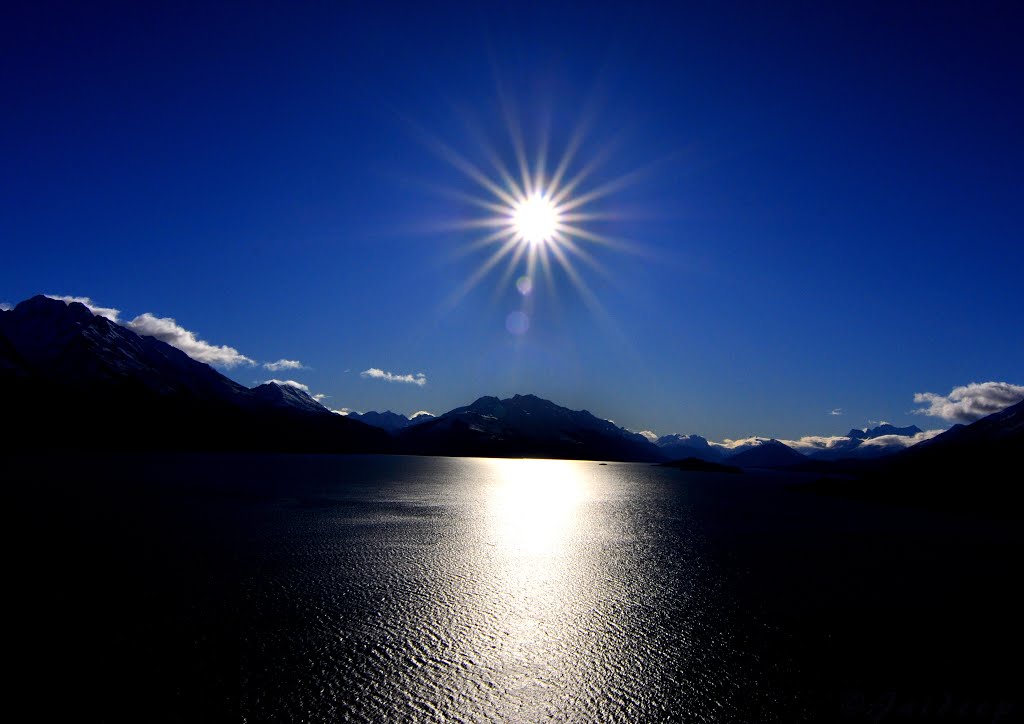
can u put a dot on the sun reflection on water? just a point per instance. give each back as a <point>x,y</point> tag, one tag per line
<point>534,505</point>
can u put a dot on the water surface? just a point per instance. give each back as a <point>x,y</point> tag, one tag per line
<point>293,588</point>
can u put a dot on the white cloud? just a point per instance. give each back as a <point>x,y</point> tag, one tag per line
<point>739,445</point>
<point>320,396</point>
<point>812,443</point>
<point>288,383</point>
<point>6,306</point>
<point>414,415</point>
<point>344,412</point>
<point>377,374</point>
<point>837,412</point>
<point>900,441</point>
<point>652,436</point>
<point>284,364</point>
<point>168,330</point>
<point>109,312</point>
<point>970,402</point>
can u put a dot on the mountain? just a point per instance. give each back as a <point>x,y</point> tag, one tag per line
<point>390,421</point>
<point>526,426</point>
<point>968,467</point>
<point>678,446</point>
<point>286,397</point>
<point>871,443</point>
<point>883,429</point>
<point>72,379</point>
<point>769,454</point>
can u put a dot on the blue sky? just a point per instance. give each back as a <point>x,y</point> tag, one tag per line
<point>823,207</point>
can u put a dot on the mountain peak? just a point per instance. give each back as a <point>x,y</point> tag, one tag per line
<point>768,454</point>
<point>884,429</point>
<point>287,397</point>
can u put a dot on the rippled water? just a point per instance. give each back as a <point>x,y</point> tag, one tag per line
<point>488,589</point>
<point>290,588</point>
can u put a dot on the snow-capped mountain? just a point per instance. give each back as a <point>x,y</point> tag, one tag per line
<point>287,397</point>
<point>678,446</point>
<point>884,429</point>
<point>69,345</point>
<point>390,421</point>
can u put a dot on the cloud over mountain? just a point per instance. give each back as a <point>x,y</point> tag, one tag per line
<point>114,315</point>
<point>970,402</point>
<point>168,330</point>
<point>378,374</point>
<point>289,383</point>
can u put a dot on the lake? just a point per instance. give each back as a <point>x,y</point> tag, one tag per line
<point>156,587</point>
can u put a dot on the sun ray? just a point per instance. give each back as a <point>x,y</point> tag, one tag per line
<point>479,274</point>
<point>480,243</point>
<point>542,158</point>
<point>510,270</point>
<point>536,211</point>
<point>586,257</point>
<point>492,156</point>
<point>468,168</point>
<point>581,233</point>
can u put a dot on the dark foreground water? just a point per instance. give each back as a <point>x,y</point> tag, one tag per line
<point>291,588</point>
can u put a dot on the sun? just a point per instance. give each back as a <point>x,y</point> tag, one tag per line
<point>535,219</point>
<point>537,214</point>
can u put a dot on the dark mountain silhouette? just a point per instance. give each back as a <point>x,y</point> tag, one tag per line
<point>73,379</point>
<point>968,467</point>
<point>768,454</point>
<point>388,420</point>
<point>526,426</point>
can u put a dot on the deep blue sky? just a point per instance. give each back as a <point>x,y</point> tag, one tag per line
<point>828,213</point>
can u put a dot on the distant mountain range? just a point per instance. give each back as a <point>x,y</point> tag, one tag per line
<point>72,379</point>
<point>968,467</point>
<point>390,421</point>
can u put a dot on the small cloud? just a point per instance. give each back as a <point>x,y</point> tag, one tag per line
<point>288,383</point>
<point>344,412</point>
<point>837,412</point>
<point>5,307</point>
<point>970,402</point>
<point>284,364</point>
<point>109,312</point>
<point>320,396</point>
<point>377,374</point>
<point>421,413</point>
<point>168,330</point>
<point>652,436</point>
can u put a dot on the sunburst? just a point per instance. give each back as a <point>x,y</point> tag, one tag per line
<point>537,220</point>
